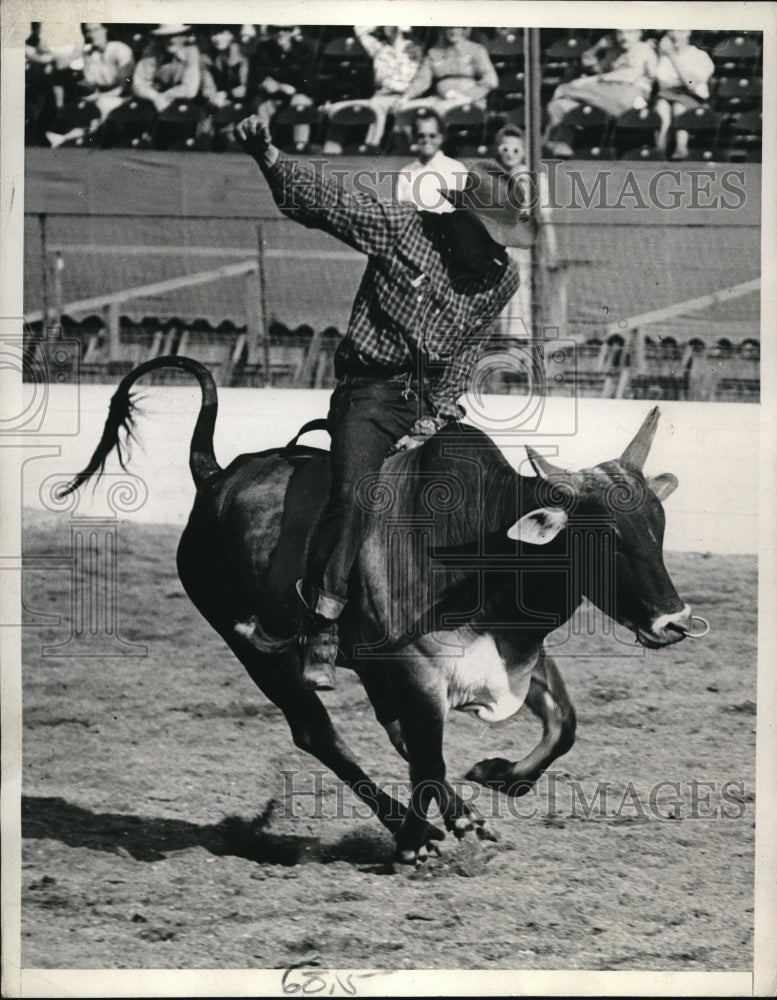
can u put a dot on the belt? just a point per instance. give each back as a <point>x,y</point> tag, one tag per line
<point>365,378</point>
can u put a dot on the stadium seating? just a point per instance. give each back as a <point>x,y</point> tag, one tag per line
<point>222,122</point>
<point>180,127</point>
<point>737,93</point>
<point>634,129</point>
<point>561,63</point>
<point>131,125</point>
<point>739,56</point>
<point>344,71</point>
<point>703,127</point>
<point>353,121</point>
<point>465,130</point>
<point>510,92</point>
<point>744,137</point>
<point>590,131</point>
<point>282,125</point>
<point>506,52</point>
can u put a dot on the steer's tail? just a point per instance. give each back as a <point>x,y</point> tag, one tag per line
<point>121,416</point>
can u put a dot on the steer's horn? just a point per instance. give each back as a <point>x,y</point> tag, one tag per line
<point>637,451</point>
<point>544,468</point>
<point>547,470</point>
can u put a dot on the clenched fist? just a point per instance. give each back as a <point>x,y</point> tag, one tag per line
<point>254,136</point>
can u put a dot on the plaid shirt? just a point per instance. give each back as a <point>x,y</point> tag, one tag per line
<point>407,312</point>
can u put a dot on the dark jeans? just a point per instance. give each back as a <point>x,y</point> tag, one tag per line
<point>366,417</point>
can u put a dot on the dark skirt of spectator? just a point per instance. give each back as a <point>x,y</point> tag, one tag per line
<point>678,95</point>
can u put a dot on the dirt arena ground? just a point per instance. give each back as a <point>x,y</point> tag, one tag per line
<point>160,830</point>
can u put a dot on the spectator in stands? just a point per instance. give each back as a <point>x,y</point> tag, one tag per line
<point>623,68</point>
<point>395,61</point>
<point>283,68</point>
<point>455,70</point>
<point>54,43</point>
<point>248,38</point>
<point>53,54</point>
<point>510,154</point>
<point>683,74</point>
<point>224,67</point>
<point>423,181</point>
<point>103,81</point>
<point>170,67</point>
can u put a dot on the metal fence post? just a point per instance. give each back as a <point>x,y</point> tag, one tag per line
<point>263,306</point>
<point>44,264</point>
<point>532,59</point>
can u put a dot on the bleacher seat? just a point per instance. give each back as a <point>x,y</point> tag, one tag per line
<point>344,71</point>
<point>223,120</point>
<point>591,128</point>
<point>179,127</point>
<point>709,39</point>
<point>646,154</point>
<point>560,63</point>
<point>510,92</point>
<point>634,129</point>
<point>744,137</point>
<point>131,124</point>
<point>282,125</point>
<point>506,52</point>
<point>464,130</point>
<point>737,56</point>
<point>76,114</point>
<point>737,93</point>
<point>354,120</point>
<point>703,127</point>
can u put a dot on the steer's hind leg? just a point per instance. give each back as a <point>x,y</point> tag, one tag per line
<point>549,701</point>
<point>312,729</point>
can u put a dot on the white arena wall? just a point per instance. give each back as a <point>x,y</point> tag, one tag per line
<point>711,447</point>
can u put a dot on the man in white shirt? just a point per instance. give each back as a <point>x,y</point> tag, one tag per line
<point>424,180</point>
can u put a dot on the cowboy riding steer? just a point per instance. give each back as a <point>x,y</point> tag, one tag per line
<point>465,568</point>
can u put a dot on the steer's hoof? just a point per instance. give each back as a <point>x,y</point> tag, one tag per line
<point>502,775</point>
<point>463,825</point>
<point>485,771</point>
<point>483,832</point>
<point>426,840</point>
<point>409,856</point>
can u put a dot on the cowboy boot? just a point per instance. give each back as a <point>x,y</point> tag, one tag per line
<point>319,652</point>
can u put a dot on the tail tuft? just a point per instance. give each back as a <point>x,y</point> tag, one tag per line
<point>119,431</point>
<point>121,418</point>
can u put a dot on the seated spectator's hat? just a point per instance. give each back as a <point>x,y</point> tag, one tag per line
<point>165,30</point>
<point>496,201</point>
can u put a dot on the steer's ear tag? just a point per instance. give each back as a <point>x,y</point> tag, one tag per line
<point>539,527</point>
<point>664,485</point>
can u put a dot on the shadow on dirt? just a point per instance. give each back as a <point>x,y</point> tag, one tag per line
<point>152,839</point>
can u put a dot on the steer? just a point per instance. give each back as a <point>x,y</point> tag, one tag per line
<point>465,568</point>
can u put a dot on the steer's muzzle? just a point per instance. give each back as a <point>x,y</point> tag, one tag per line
<point>666,629</point>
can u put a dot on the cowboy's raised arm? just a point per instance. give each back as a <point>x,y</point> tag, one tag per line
<point>300,191</point>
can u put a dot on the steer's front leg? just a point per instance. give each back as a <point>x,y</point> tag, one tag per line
<point>422,716</point>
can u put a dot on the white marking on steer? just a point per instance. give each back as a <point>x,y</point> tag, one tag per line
<point>663,620</point>
<point>480,682</point>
